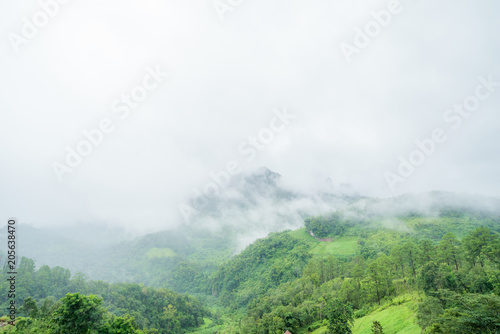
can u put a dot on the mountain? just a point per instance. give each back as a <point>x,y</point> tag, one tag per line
<point>407,263</point>
<point>250,207</point>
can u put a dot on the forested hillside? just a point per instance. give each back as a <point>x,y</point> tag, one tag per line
<point>370,268</point>
<point>54,302</point>
<point>445,271</point>
<point>182,257</point>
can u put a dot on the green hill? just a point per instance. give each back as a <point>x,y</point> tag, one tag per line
<point>380,267</point>
<point>407,269</point>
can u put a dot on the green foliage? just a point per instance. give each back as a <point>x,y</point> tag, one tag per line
<point>340,317</point>
<point>265,264</point>
<point>145,304</point>
<point>377,328</point>
<point>78,314</point>
<point>322,226</point>
<point>396,316</point>
<point>428,311</point>
<point>467,314</point>
<point>291,281</point>
<point>29,308</point>
<point>428,277</point>
<point>120,325</point>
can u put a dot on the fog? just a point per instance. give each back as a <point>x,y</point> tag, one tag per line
<point>170,101</point>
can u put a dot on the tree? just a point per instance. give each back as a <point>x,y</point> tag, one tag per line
<point>476,245</point>
<point>169,313</point>
<point>428,311</point>
<point>322,226</point>
<point>25,279</point>
<point>411,255</point>
<point>449,250</point>
<point>29,307</point>
<point>358,270</point>
<point>49,305</point>
<point>426,251</point>
<point>78,283</point>
<point>428,277</point>
<point>467,314</point>
<point>121,325</point>
<point>379,277</point>
<point>377,328</point>
<point>43,282</point>
<point>277,325</point>
<point>340,317</point>
<point>78,314</point>
<point>398,255</point>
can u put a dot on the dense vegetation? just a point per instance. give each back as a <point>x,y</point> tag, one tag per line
<point>283,283</point>
<point>323,226</point>
<point>406,273</point>
<point>47,293</point>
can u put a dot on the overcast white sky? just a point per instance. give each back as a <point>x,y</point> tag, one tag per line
<point>352,119</point>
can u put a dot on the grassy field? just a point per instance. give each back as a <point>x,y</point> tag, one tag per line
<point>394,318</point>
<point>343,246</point>
<point>321,330</point>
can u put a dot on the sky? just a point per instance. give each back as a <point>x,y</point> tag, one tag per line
<point>118,112</point>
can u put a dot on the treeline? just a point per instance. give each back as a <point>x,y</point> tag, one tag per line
<point>281,286</point>
<point>46,290</point>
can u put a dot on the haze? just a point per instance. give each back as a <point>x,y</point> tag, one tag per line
<point>351,117</point>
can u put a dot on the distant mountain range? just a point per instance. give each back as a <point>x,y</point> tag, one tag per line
<point>249,208</point>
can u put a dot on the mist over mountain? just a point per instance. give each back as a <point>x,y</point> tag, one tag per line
<point>249,208</point>
<point>252,205</point>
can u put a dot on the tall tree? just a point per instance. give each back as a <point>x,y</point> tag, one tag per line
<point>411,256</point>
<point>428,311</point>
<point>398,256</point>
<point>426,251</point>
<point>449,250</point>
<point>377,328</point>
<point>79,314</point>
<point>476,244</point>
<point>340,317</point>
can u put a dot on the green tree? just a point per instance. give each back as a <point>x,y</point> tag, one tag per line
<point>43,282</point>
<point>468,314</point>
<point>426,251</point>
<point>378,275</point>
<point>121,325</point>
<point>428,311</point>
<point>324,225</point>
<point>29,307</point>
<point>411,255</point>
<point>377,328</point>
<point>78,314</point>
<point>358,270</point>
<point>449,250</point>
<point>476,245</point>
<point>398,256</point>
<point>170,313</point>
<point>340,317</point>
<point>48,306</point>
<point>428,277</point>
<point>25,280</point>
<point>277,326</point>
